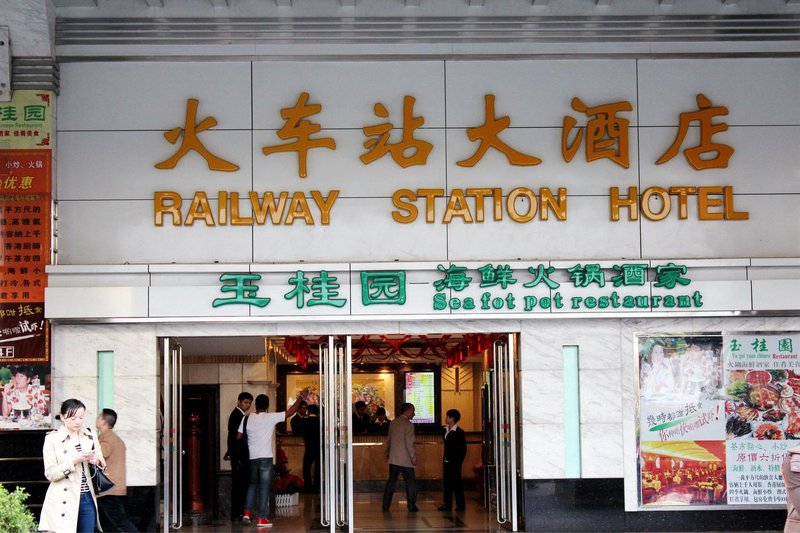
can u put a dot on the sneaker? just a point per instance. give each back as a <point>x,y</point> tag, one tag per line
<point>246,517</point>
<point>263,522</point>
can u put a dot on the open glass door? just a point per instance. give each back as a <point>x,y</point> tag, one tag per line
<point>336,455</point>
<point>503,400</point>
<point>172,435</point>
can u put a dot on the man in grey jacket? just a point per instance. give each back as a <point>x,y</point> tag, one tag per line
<point>402,456</point>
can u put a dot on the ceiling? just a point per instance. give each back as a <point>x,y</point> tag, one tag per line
<point>365,348</point>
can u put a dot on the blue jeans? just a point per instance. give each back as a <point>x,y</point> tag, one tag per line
<point>87,516</point>
<point>261,478</point>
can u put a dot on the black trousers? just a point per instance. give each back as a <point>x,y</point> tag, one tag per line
<point>453,485</point>
<point>112,514</point>
<point>311,470</point>
<point>391,483</point>
<point>240,477</point>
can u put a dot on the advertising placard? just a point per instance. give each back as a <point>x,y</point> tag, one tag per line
<point>717,414</point>
<point>25,233</point>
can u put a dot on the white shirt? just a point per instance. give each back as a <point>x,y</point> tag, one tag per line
<point>448,430</point>
<point>261,433</point>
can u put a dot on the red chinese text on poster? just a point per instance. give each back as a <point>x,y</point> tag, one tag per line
<point>25,184</point>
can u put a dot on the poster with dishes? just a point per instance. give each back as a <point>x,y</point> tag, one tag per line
<point>681,421</point>
<point>716,415</point>
<point>762,391</point>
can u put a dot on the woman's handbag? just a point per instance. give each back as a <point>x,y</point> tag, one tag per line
<point>100,481</point>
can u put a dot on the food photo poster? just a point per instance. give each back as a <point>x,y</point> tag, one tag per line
<point>716,416</point>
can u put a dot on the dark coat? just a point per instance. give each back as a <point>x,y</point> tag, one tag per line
<point>455,446</point>
<point>233,427</point>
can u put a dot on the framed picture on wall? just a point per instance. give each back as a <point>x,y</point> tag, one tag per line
<point>305,384</point>
<point>376,390</point>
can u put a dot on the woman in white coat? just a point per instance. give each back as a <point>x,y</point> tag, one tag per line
<point>70,504</point>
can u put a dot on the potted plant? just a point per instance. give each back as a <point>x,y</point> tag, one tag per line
<point>14,516</point>
<point>287,485</point>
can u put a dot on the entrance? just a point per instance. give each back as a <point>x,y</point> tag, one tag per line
<point>424,370</point>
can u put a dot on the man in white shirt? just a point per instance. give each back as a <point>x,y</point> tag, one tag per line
<point>259,429</point>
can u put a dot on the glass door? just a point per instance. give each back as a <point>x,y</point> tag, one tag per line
<point>172,435</point>
<point>503,407</point>
<point>336,455</point>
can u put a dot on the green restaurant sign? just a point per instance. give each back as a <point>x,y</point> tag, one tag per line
<point>490,288</point>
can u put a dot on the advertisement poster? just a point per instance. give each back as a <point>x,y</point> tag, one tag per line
<point>25,233</point>
<point>420,390</point>
<point>716,416</point>
<point>26,397</point>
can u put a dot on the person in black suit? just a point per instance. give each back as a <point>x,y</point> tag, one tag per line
<point>381,422</point>
<point>240,466</point>
<point>360,418</point>
<point>296,422</point>
<point>311,440</point>
<point>455,451</point>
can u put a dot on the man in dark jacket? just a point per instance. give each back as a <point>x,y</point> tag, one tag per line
<point>240,467</point>
<point>360,419</point>
<point>311,440</point>
<point>455,450</point>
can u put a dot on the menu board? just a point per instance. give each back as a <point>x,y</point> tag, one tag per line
<point>420,390</point>
<point>716,416</point>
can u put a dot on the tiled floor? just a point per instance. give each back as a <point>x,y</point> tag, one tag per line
<point>369,517</point>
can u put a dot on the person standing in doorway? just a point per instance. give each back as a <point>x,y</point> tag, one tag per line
<point>455,451</point>
<point>401,453</point>
<point>112,504</point>
<point>259,430</point>
<point>240,465</point>
<point>311,441</point>
<point>296,422</point>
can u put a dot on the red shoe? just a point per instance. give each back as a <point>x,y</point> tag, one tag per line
<point>246,518</point>
<point>263,522</point>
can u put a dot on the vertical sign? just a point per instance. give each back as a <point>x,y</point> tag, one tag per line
<point>25,200</point>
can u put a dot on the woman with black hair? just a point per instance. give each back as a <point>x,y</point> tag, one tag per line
<point>70,504</point>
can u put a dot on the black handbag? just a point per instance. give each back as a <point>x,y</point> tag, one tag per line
<point>100,481</point>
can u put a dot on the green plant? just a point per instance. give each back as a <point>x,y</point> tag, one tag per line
<point>14,516</point>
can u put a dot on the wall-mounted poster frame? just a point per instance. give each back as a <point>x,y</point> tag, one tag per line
<point>715,415</point>
<point>305,384</point>
<point>376,390</point>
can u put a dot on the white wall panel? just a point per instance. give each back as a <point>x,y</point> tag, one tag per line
<point>122,165</point>
<point>342,169</point>
<point>111,232</point>
<point>361,230</point>
<point>771,231</point>
<point>535,93</point>
<point>494,170</point>
<point>347,91</point>
<point>766,159</point>
<point>95,302</point>
<point>755,91</point>
<point>587,232</point>
<point>153,95</point>
<point>776,294</point>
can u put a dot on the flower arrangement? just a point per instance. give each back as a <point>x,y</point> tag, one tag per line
<point>285,482</point>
